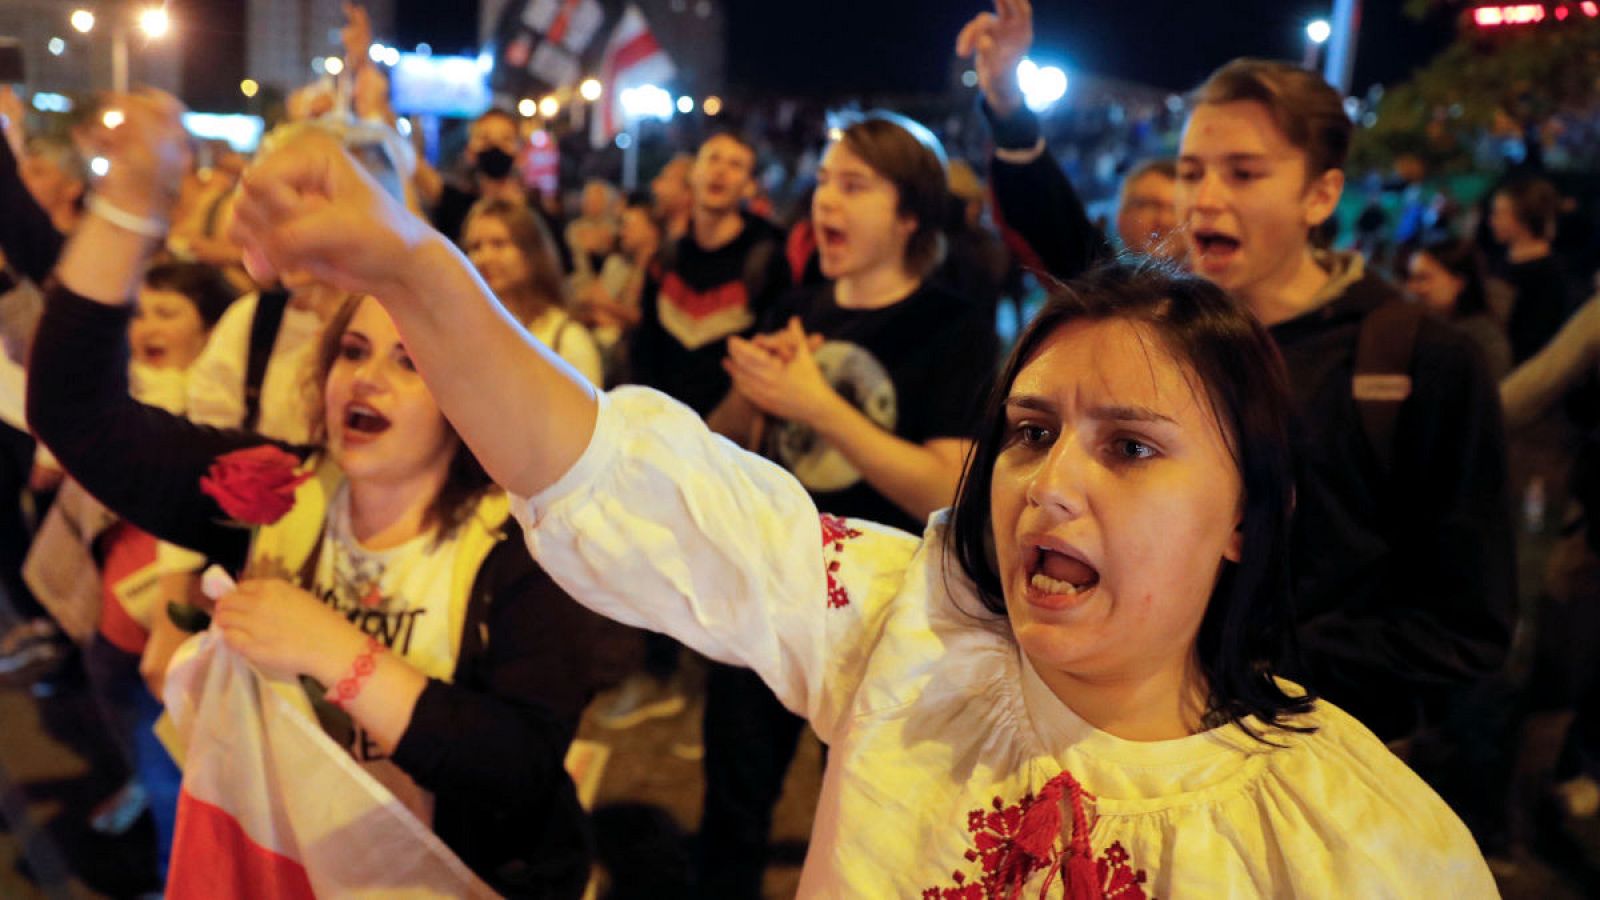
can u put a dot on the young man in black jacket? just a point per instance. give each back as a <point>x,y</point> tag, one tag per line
<point>1404,571</point>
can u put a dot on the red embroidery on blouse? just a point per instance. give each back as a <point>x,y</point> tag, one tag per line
<point>835,531</point>
<point>1012,843</point>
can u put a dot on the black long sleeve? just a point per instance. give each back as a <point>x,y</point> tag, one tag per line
<point>143,463</point>
<point>30,240</point>
<point>1039,213</point>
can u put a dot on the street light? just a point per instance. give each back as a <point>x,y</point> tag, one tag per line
<point>527,107</point>
<point>333,65</point>
<point>1041,85</point>
<point>82,20</point>
<point>590,89</point>
<point>712,106</point>
<point>549,106</point>
<point>647,101</point>
<point>249,87</point>
<point>686,104</point>
<point>154,21</point>
<point>1317,33</point>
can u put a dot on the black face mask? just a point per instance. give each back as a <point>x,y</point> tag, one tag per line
<point>495,163</point>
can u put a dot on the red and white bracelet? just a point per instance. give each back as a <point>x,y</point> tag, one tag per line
<point>349,687</point>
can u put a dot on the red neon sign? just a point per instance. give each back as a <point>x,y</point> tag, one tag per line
<point>1516,14</point>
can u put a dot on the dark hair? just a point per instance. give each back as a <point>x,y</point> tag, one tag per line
<point>1166,168</point>
<point>1462,259</point>
<point>203,285</point>
<point>907,154</point>
<point>465,481</point>
<point>495,112</point>
<point>729,134</point>
<point>1536,203</point>
<point>1308,110</point>
<point>1248,626</point>
<point>546,285</point>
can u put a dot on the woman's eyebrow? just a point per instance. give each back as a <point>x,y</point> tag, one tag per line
<point>1031,401</point>
<point>1129,414</point>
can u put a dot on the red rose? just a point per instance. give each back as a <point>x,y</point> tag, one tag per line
<point>254,486</point>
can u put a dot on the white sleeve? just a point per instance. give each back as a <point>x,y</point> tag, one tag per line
<point>216,379</point>
<point>663,525</point>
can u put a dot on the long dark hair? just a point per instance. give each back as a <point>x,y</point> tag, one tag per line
<point>1248,626</point>
<point>1462,259</point>
<point>465,480</point>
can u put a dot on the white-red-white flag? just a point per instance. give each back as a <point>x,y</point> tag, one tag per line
<point>271,807</point>
<point>632,57</point>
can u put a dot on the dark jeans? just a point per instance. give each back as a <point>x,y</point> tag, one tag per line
<point>16,464</point>
<point>750,740</point>
<point>130,713</point>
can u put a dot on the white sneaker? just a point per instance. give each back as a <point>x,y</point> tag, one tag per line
<point>639,699</point>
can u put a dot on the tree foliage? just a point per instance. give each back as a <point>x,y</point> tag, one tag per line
<point>1504,81</point>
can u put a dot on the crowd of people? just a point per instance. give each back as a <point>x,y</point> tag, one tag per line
<point>1204,585</point>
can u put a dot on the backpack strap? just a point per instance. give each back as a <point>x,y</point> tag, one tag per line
<point>270,306</point>
<point>1382,378</point>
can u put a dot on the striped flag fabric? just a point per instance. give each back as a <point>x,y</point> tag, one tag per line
<point>632,57</point>
<point>271,807</point>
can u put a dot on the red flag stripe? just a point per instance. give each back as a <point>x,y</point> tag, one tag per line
<point>213,857</point>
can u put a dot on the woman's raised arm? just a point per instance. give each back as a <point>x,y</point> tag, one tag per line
<point>308,206</point>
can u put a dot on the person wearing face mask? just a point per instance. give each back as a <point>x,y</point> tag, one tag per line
<point>1065,687</point>
<point>493,144</point>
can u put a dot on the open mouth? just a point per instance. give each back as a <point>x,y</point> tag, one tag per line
<point>362,419</point>
<point>831,238</point>
<point>1057,573</point>
<point>153,355</point>
<point>1214,245</point>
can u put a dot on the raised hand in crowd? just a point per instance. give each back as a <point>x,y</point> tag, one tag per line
<point>996,42</point>
<point>141,136</point>
<point>307,205</point>
<point>310,207</point>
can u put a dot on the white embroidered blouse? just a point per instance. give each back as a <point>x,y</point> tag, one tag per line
<point>943,739</point>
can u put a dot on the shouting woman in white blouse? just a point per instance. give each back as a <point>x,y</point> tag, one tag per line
<point>1064,686</point>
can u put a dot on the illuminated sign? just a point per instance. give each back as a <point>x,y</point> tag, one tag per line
<point>440,85</point>
<point>241,132</point>
<point>1531,13</point>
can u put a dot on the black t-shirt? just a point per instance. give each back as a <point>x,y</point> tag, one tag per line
<point>1541,304</point>
<point>918,369</point>
<point>694,300</point>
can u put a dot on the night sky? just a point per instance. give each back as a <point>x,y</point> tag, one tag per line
<point>826,48</point>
